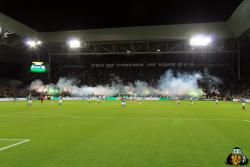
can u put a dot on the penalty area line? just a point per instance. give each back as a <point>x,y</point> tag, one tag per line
<point>32,115</point>
<point>21,141</point>
<point>169,119</point>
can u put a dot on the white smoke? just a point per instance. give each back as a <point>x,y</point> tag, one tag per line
<point>88,90</point>
<point>211,82</point>
<point>181,84</point>
<point>38,86</point>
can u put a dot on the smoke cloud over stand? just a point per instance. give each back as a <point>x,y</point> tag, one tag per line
<point>171,85</point>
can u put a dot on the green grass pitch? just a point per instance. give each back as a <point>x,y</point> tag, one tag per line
<point>151,134</point>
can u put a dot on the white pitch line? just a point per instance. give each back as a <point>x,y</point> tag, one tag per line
<point>62,115</point>
<point>172,119</point>
<point>12,139</point>
<point>39,116</point>
<point>13,145</point>
<point>46,115</point>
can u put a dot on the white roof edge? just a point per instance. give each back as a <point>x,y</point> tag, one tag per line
<point>161,32</point>
<point>17,27</point>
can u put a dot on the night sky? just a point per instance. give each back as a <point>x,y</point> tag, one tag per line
<point>70,15</point>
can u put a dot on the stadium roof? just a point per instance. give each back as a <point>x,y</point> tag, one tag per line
<point>47,15</point>
<point>15,26</point>
<point>181,31</point>
<point>234,26</point>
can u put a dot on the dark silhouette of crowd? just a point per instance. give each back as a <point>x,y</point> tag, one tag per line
<point>216,82</point>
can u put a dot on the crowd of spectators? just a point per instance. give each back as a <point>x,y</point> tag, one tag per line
<point>219,82</point>
<point>9,91</point>
<point>240,89</point>
<point>222,83</point>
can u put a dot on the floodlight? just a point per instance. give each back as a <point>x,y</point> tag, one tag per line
<point>200,40</point>
<point>158,50</point>
<point>39,42</point>
<point>33,43</point>
<point>74,43</point>
<point>128,51</point>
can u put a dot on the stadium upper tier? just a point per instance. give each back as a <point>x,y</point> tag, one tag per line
<point>236,25</point>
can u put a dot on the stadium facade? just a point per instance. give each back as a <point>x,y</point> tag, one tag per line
<point>161,46</point>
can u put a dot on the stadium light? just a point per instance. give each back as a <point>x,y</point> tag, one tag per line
<point>39,42</point>
<point>33,43</point>
<point>74,43</point>
<point>200,40</point>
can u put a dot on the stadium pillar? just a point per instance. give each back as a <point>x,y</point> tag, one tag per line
<point>238,55</point>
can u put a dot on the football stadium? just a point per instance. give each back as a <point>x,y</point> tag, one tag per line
<point>162,86</point>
